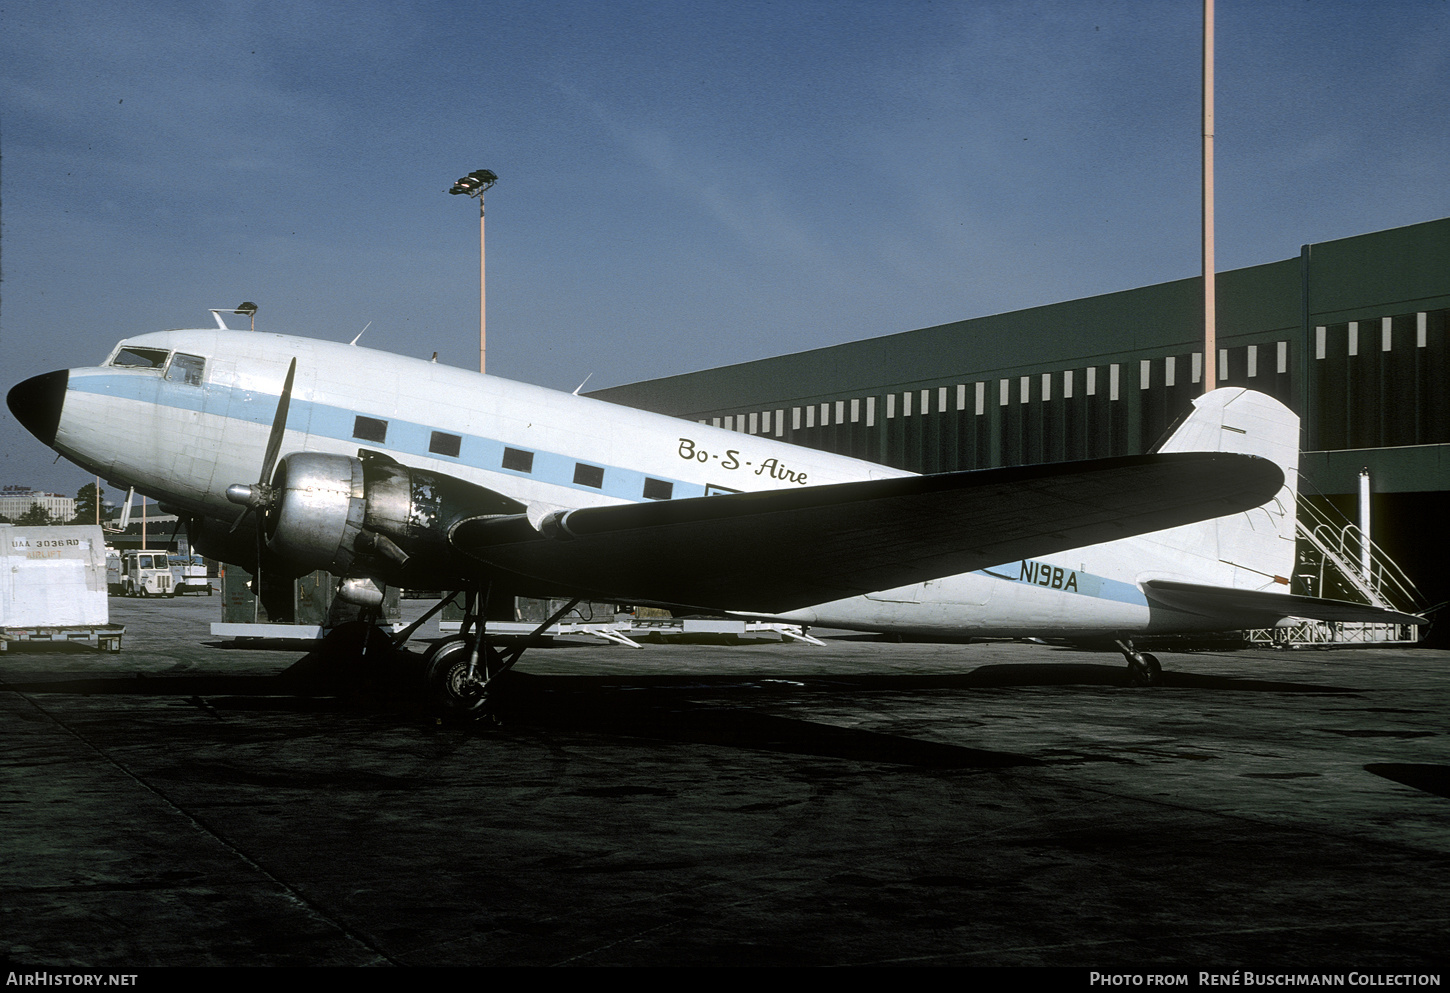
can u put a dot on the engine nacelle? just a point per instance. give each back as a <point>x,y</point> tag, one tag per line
<point>371,515</point>
<point>319,510</point>
<point>214,538</point>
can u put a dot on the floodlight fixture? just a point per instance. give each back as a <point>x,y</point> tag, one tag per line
<point>475,183</point>
<point>245,309</point>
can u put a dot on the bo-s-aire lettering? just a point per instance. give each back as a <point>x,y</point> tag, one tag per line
<point>772,467</point>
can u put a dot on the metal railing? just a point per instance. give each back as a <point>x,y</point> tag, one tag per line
<point>1336,560</point>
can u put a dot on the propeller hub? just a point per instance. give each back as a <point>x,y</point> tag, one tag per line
<point>253,496</point>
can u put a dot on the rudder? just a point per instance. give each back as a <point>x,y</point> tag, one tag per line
<point>1253,549</point>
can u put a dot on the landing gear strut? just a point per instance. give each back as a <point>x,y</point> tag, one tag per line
<point>459,672</point>
<point>1143,668</point>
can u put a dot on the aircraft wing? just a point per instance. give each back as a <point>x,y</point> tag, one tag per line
<point>778,550</point>
<point>1259,608</point>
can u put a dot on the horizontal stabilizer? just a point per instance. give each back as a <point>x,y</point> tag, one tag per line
<point>778,550</point>
<point>1258,608</point>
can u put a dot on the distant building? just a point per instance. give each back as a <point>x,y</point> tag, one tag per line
<point>15,501</point>
<point>1353,334</point>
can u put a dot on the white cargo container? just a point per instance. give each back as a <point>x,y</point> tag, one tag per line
<point>53,586</point>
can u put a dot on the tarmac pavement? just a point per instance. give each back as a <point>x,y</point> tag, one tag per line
<point>188,802</point>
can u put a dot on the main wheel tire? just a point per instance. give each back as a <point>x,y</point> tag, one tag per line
<point>446,677</point>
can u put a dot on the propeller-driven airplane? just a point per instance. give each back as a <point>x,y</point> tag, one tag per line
<point>290,454</point>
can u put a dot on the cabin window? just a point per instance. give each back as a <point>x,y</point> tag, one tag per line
<point>658,489</point>
<point>444,444</point>
<point>186,369</point>
<point>713,490</point>
<point>518,460</point>
<point>141,358</point>
<point>588,475</point>
<point>370,429</point>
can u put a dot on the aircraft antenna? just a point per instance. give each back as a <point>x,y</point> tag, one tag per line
<point>361,333</point>
<point>581,385</point>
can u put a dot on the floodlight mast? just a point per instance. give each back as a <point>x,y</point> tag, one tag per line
<point>475,184</point>
<point>1210,291</point>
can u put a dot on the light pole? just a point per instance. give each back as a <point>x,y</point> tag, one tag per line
<point>475,184</point>
<point>1210,292</point>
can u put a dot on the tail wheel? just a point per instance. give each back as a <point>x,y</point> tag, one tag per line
<point>1145,670</point>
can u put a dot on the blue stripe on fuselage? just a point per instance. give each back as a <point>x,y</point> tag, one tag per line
<point>1045,575</point>
<point>403,437</point>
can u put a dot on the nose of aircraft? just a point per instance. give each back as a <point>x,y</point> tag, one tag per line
<point>37,401</point>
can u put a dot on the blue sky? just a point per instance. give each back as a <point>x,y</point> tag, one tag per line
<point>682,185</point>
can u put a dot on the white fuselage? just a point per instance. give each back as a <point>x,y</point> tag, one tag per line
<point>184,431</point>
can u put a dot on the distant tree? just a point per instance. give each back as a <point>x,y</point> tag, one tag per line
<point>36,516</point>
<point>88,498</point>
<point>5,520</point>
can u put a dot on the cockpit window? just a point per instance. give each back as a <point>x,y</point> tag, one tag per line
<point>186,369</point>
<point>141,358</point>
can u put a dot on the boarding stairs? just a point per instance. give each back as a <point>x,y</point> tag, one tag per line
<point>1334,559</point>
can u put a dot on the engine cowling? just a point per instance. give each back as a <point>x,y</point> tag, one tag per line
<point>319,508</point>
<point>371,515</point>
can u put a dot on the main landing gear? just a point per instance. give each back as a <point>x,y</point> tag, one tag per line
<point>459,672</point>
<point>1143,669</point>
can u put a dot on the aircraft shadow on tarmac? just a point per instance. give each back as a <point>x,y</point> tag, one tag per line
<point>1096,674</point>
<point>726,710</point>
<point>1428,778</point>
<point>659,709</point>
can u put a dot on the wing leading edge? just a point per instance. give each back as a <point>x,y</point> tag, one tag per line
<point>779,550</point>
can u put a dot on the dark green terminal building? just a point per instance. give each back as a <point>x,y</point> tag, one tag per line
<point>1352,334</point>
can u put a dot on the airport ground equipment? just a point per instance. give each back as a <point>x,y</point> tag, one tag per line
<point>188,575</point>
<point>1336,558</point>
<point>146,572</point>
<point>306,614</point>
<point>622,626</point>
<point>53,586</point>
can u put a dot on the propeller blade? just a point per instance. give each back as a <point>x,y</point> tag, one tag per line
<point>279,426</point>
<point>240,518</point>
<point>255,497</point>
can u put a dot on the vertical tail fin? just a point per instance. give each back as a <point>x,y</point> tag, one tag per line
<point>1254,549</point>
